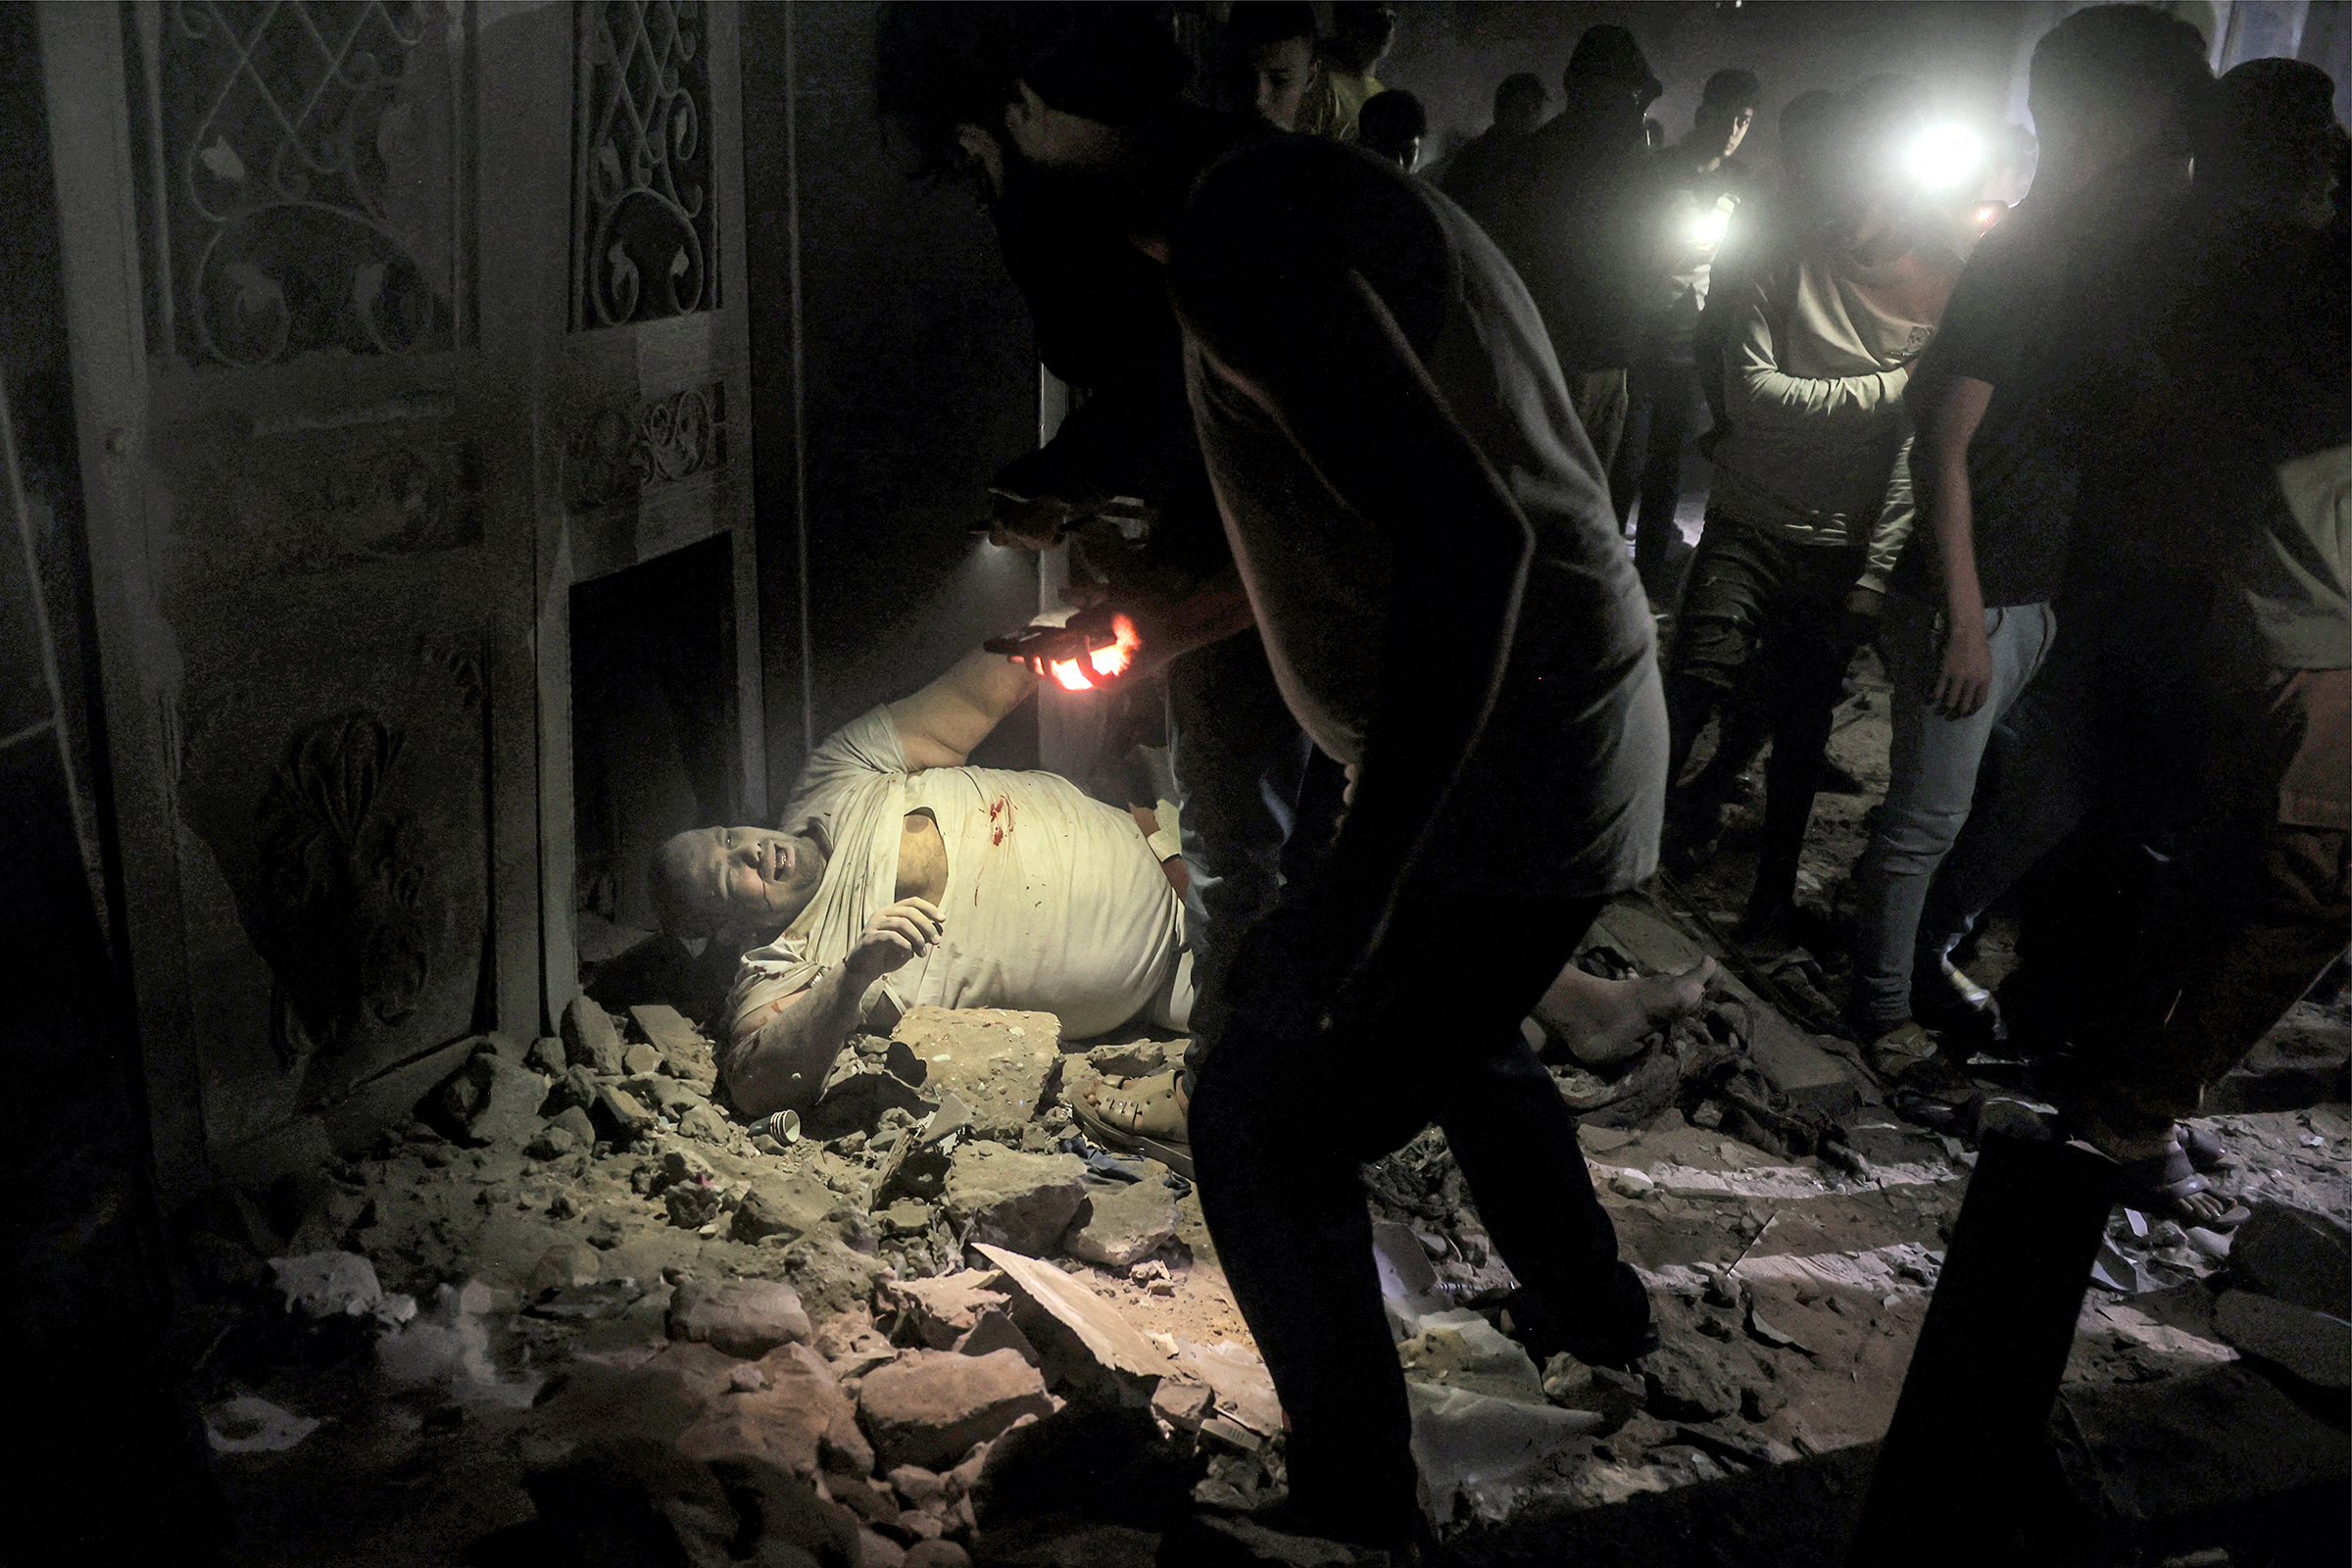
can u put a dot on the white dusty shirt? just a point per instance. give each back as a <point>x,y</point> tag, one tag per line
<point>1054,902</point>
<point>1817,363</point>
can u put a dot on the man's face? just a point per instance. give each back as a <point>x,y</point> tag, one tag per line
<point>1736,132</point>
<point>742,878</point>
<point>1283,72</point>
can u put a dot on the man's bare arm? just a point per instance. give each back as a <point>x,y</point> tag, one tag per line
<point>1954,408</point>
<point>781,1062</point>
<point>941,725</point>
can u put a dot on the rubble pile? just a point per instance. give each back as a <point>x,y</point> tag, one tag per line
<point>923,1322</point>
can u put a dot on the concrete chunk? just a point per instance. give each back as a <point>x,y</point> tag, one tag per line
<point>1121,1226</point>
<point>2295,1255</point>
<point>591,1039</point>
<point>1004,1065</point>
<point>742,1317</point>
<point>1021,1202</point>
<point>684,1053</point>
<point>930,1407</point>
<point>492,1100</point>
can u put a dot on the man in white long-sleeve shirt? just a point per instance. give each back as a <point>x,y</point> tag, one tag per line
<point>1812,491</point>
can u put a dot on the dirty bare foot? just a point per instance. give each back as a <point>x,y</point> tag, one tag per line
<point>1601,1021</point>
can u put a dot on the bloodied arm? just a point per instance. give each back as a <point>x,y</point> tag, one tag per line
<point>781,1050</point>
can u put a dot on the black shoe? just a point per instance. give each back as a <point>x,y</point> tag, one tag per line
<point>1947,1000</point>
<point>1624,1337</point>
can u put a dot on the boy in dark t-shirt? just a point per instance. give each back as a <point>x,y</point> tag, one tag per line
<point>1997,470</point>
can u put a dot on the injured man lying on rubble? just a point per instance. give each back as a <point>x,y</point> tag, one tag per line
<point>903,877</point>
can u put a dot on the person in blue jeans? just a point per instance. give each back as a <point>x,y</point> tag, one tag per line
<point>1969,619</point>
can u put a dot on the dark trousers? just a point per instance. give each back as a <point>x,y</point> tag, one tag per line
<point>2265,908</point>
<point>1287,1111</point>
<point>2095,770</point>
<point>1765,619</point>
<point>1660,403</point>
<point>1257,799</point>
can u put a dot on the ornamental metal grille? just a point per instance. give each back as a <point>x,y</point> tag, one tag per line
<point>644,222</point>
<point>300,165</point>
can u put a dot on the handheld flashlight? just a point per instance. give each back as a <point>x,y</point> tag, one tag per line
<point>1946,155</point>
<point>1093,650</point>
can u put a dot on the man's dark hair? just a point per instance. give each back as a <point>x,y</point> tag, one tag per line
<point>1730,91</point>
<point>2267,125</point>
<point>2118,59</point>
<point>1256,23</point>
<point>940,65</point>
<point>1389,120</point>
<point>1362,31</point>
<point>1612,54</point>
<point>1523,85</point>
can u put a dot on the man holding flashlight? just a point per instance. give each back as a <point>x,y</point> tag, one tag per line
<point>1425,537</point>
<point>1703,185</point>
<point>1970,618</point>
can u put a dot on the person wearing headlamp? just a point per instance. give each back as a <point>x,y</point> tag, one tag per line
<point>1812,491</point>
<point>2003,425</point>
<point>1704,183</point>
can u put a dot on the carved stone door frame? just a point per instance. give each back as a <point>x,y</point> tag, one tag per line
<point>578,449</point>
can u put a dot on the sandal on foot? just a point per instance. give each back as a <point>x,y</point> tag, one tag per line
<point>2208,1153</point>
<point>2163,1184</point>
<point>1138,1117</point>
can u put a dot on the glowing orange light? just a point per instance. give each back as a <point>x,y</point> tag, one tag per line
<point>1106,662</point>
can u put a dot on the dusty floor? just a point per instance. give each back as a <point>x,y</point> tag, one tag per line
<point>1788,1290</point>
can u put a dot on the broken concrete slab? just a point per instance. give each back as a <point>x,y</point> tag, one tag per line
<point>1475,1453</point>
<point>790,1206</point>
<point>1114,1343</point>
<point>1008,1198</point>
<point>685,1053</point>
<point>249,1424</point>
<point>639,1058</point>
<point>1134,1058</point>
<point>855,1098</point>
<point>547,1057</point>
<point>2316,1347</point>
<point>2295,1255</point>
<point>619,1117</point>
<point>591,1039</point>
<point>328,1285</point>
<point>1460,1349</point>
<point>946,1307</point>
<point>997,1331</point>
<point>800,1421</point>
<point>1243,1389</point>
<point>745,1319</point>
<point>1006,1066</point>
<point>930,1407</point>
<point>1123,1225</point>
<point>1689,1383</point>
<point>491,1101</point>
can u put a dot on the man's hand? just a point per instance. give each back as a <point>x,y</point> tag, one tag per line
<point>1966,679</point>
<point>1027,523</point>
<point>908,929</point>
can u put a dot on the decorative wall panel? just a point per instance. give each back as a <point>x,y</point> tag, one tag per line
<point>624,455</point>
<point>303,172</point>
<point>645,215</point>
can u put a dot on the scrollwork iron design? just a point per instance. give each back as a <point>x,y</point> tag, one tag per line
<point>309,150</point>
<point>619,455</point>
<point>645,222</point>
